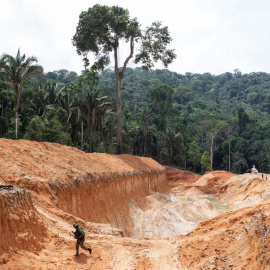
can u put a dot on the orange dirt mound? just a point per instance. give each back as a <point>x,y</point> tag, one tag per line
<point>175,176</point>
<point>192,191</point>
<point>63,185</point>
<point>234,240</point>
<point>20,225</point>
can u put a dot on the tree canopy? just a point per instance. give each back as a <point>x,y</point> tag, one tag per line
<point>100,31</point>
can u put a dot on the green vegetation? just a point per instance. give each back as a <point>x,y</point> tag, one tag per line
<point>197,122</point>
<point>192,121</point>
<point>101,30</point>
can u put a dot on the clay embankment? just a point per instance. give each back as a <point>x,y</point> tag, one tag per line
<point>234,240</point>
<point>176,176</point>
<point>186,183</point>
<point>94,187</point>
<point>20,225</point>
<point>245,190</point>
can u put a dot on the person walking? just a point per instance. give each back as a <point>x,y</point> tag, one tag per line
<point>79,234</point>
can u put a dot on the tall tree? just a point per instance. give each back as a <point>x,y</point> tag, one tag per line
<point>213,127</point>
<point>172,140</point>
<point>243,120</point>
<point>100,31</point>
<point>162,99</point>
<point>194,154</point>
<point>89,102</point>
<point>17,70</point>
<point>205,161</point>
<point>145,115</point>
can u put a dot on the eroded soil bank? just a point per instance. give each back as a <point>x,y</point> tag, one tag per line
<point>94,187</point>
<point>116,196</point>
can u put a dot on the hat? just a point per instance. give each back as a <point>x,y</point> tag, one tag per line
<point>75,225</point>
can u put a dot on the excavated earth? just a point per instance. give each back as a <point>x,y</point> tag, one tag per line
<point>136,213</point>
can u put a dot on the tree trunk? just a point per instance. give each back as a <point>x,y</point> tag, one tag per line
<point>2,106</point>
<point>171,153</point>
<point>111,143</point>
<point>119,115</point>
<point>16,111</point>
<point>145,131</point>
<point>211,152</point>
<point>2,114</point>
<point>89,123</point>
<point>90,137</point>
<point>229,156</point>
<point>82,134</point>
<point>119,76</point>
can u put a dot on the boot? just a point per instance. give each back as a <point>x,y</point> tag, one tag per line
<point>77,253</point>
<point>90,250</point>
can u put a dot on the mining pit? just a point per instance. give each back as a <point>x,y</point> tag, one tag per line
<point>136,213</point>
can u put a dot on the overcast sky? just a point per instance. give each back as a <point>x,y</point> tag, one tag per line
<point>213,36</point>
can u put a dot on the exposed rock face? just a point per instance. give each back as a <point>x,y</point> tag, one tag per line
<point>20,225</point>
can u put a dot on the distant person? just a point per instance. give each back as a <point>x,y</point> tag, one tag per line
<point>262,175</point>
<point>79,234</point>
<point>266,178</point>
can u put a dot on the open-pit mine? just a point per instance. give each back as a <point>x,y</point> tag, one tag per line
<point>136,213</point>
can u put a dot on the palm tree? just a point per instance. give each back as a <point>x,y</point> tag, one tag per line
<point>17,70</point>
<point>89,102</point>
<point>145,115</point>
<point>171,139</point>
<point>68,102</point>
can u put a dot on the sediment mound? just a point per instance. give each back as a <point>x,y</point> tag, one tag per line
<point>62,185</point>
<point>165,216</point>
<point>193,191</point>
<point>234,240</point>
<point>176,176</point>
<point>211,182</point>
<point>245,190</point>
<point>20,225</point>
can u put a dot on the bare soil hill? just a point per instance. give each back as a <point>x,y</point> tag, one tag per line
<point>115,197</point>
<point>176,176</point>
<point>245,190</point>
<point>234,240</point>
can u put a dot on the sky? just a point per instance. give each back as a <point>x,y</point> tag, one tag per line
<point>213,36</point>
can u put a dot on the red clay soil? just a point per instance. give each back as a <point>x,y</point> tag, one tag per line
<point>245,190</point>
<point>234,240</point>
<point>209,183</point>
<point>20,224</point>
<point>176,176</point>
<point>58,185</point>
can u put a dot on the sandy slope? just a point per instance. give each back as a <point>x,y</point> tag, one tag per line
<point>237,239</point>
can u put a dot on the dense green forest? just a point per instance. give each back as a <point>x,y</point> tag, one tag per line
<point>192,121</point>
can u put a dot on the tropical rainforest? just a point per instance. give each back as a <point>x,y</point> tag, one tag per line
<point>197,122</point>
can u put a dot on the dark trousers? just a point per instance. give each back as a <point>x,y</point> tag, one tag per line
<point>80,242</point>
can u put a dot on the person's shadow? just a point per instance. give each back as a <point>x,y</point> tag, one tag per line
<point>82,259</point>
